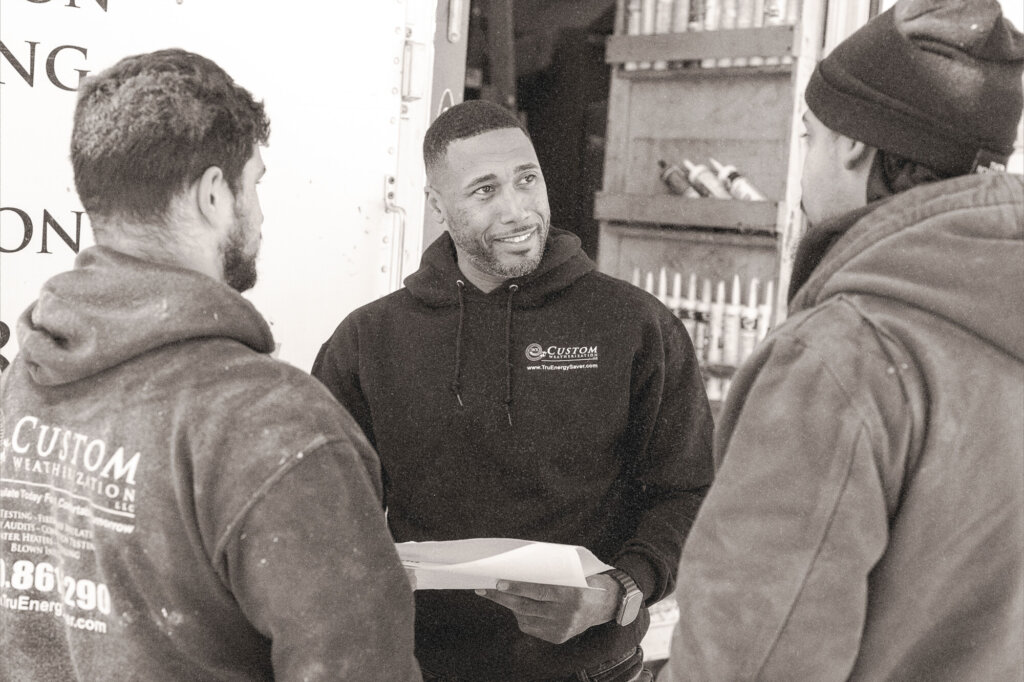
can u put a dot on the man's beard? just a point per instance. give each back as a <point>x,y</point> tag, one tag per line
<point>485,260</point>
<point>239,267</point>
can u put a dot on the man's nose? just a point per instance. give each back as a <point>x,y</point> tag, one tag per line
<point>513,206</point>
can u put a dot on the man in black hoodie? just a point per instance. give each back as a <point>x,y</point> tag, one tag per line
<point>513,391</point>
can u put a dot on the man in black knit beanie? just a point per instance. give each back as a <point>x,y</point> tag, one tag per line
<point>867,516</point>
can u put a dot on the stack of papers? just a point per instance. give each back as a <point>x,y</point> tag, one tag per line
<point>479,563</point>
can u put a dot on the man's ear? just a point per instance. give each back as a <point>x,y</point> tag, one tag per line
<point>434,205</point>
<point>213,196</point>
<point>855,155</point>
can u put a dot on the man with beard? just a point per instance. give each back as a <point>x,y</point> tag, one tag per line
<point>867,516</point>
<point>513,391</point>
<point>178,505</point>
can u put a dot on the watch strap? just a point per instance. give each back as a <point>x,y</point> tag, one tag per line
<point>632,597</point>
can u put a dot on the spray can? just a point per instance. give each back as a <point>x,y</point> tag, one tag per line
<point>757,21</point>
<point>701,313</point>
<point>715,320</point>
<point>792,11</point>
<point>774,12</point>
<point>663,287</point>
<point>662,24</point>
<point>744,19</point>
<point>792,15</point>
<point>680,16</point>
<point>748,322</point>
<point>675,301</point>
<point>774,15</point>
<point>712,21</point>
<point>713,15</point>
<point>764,311</point>
<point>704,181</point>
<point>696,20</point>
<point>688,308</point>
<point>675,178</point>
<point>632,26</point>
<point>731,330</point>
<point>727,21</point>
<point>731,325</point>
<point>680,22</point>
<point>648,15</point>
<point>738,185</point>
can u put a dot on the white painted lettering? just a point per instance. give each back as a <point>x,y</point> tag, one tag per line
<point>22,449</point>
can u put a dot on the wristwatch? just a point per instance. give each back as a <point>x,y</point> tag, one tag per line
<point>632,599</point>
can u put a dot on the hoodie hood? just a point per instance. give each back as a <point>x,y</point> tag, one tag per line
<point>953,248</point>
<point>113,307</point>
<point>563,262</point>
<point>439,283</point>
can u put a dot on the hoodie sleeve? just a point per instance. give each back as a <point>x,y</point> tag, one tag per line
<point>337,367</point>
<point>774,579</point>
<point>314,569</point>
<point>670,421</point>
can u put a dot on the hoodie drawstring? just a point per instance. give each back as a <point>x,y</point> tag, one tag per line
<point>508,353</point>
<point>456,384</point>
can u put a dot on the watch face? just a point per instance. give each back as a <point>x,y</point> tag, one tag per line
<point>631,607</point>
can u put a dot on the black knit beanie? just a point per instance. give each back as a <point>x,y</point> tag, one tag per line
<point>938,82</point>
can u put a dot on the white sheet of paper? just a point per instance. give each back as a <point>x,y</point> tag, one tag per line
<point>479,563</point>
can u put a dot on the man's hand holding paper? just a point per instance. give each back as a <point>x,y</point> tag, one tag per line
<point>479,563</point>
<point>555,613</point>
<point>555,591</point>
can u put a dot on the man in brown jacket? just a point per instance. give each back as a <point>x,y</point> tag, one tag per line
<point>867,516</point>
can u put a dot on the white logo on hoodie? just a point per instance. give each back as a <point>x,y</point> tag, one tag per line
<point>536,353</point>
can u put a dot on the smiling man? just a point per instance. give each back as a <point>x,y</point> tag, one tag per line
<point>514,391</point>
<point>492,250</point>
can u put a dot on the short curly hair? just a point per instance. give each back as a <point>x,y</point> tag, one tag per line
<point>467,119</point>
<point>150,126</point>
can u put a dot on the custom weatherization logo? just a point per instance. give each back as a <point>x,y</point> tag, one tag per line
<point>563,358</point>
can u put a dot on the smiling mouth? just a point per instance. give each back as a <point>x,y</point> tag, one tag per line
<point>517,238</point>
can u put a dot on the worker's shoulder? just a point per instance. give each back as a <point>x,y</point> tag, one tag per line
<point>228,373</point>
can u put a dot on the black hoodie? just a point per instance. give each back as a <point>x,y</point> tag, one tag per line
<point>565,406</point>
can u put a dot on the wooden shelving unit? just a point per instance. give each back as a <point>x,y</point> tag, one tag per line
<point>678,74</point>
<point>744,115</point>
<point>668,209</point>
<point>767,41</point>
<point>747,116</point>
